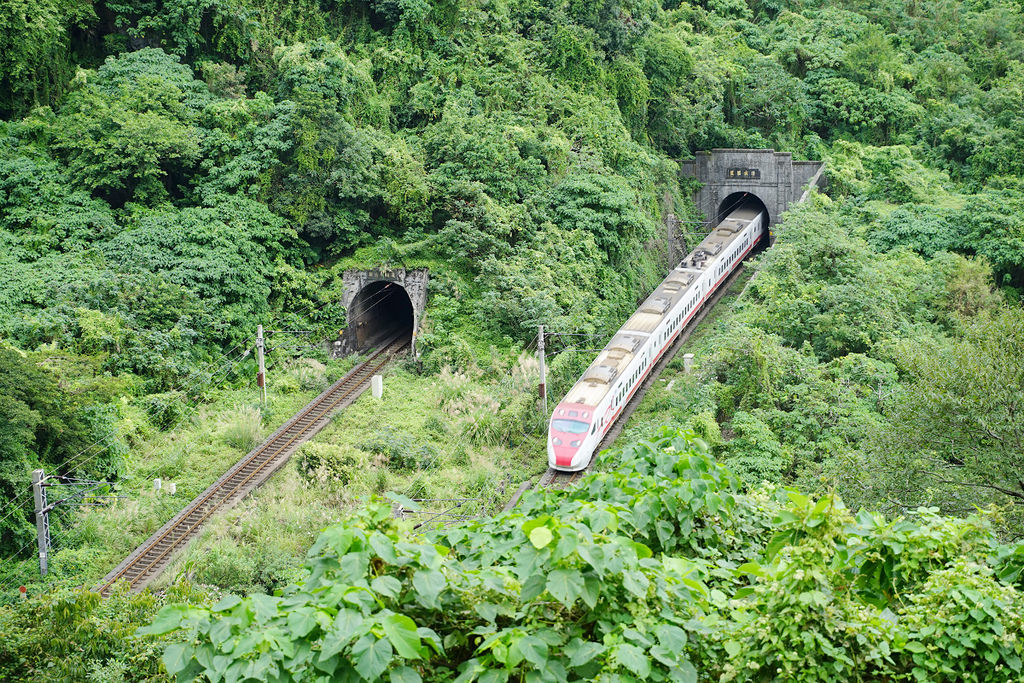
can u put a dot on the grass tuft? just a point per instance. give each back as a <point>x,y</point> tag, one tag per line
<point>244,428</point>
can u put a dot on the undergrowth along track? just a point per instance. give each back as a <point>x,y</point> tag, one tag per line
<point>556,479</point>
<point>150,558</point>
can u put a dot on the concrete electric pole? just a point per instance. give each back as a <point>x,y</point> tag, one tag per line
<point>261,374</point>
<point>543,370</point>
<point>42,519</point>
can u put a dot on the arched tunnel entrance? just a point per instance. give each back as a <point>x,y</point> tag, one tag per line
<point>380,310</point>
<point>741,200</point>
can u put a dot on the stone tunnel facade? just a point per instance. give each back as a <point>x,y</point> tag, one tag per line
<point>387,290</point>
<point>773,177</point>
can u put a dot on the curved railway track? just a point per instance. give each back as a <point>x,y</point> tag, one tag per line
<point>556,479</point>
<point>150,558</point>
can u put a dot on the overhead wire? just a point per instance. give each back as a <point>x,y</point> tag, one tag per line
<point>81,463</point>
<point>184,447</point>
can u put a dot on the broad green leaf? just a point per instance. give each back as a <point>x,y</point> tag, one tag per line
<point>580,651</point>
<point>664,655</point>
<point>798,499</point>
<point>732,647</point>
<point>226,603</point>
<point>469,670</point>
<point>405,674</point>
<point>264,606</point>
<point>488,611</point>
<point>568,541</point>
<point>493,676</point>
<point>565,585</point>
<point>634,659</point>
<point>532,587</point>
<point>387,586</point>
<point>540,537</point>
<point>384,547</point>
<point>371,657</point>
<point>344,629</point>
<point>549,636</point>
<point>752,568</point>
<point>591,591</point>
<point>641,550</point>
<point>401,631</point>
<point>176,658</point>
<point>533,649</point>
<point>301,621</point>
<point>636,583</point>
<point>428,584</point>
<point>671,636</point>
<point>404,501</point>
<point>822,505</point>
<point>593,554</point>
<point>532,524</point>
<point>169,618</point>
<point>686,673</point>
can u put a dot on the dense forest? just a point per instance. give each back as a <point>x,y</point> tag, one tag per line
<point>175,172</point>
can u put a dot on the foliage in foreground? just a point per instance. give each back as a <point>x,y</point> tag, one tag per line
<point>659,569</point>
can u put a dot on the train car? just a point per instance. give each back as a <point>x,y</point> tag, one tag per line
<point>584,416</point>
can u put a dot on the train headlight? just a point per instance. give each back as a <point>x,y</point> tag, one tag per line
<point>576,443</point>
<point>556,441</point>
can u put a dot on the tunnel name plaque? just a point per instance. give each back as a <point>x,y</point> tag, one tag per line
<point>743,173</point>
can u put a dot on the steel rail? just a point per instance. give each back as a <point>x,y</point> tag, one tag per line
<point>264,459</point>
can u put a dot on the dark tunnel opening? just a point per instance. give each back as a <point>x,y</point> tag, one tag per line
<point>741,200</point>
<point>379,311</point>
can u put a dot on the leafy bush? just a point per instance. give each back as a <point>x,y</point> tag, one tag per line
<point>399,450</point>
<point>96,634</point>
<point>321,462</point>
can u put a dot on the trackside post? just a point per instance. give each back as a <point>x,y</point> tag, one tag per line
<point>543,371</point>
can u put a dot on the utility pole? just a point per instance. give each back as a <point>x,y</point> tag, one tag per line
<point>261,375</point>
<point>543,372</point>
<point>42,519</point>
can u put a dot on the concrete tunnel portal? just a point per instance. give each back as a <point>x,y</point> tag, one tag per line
<point>380,302</point>
<point>378,311</point>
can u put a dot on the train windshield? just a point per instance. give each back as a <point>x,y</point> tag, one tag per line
<point>570,426</point>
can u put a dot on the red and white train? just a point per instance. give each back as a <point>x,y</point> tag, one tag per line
<point>590,408</point>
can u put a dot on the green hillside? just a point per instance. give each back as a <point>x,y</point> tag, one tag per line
<point>175,172</point>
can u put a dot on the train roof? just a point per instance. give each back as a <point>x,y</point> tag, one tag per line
<point>610,363</point>
<point>616,356</point>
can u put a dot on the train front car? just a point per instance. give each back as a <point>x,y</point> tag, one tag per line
<point>570,437</point>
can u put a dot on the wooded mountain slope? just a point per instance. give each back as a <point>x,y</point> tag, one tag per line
<point>173,173</point>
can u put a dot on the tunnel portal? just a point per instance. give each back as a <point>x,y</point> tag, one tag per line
<point>381,302</point>
<point>773,177</point>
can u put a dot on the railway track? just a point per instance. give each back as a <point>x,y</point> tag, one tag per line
<point>555,479</point>
<point>150,558</point>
